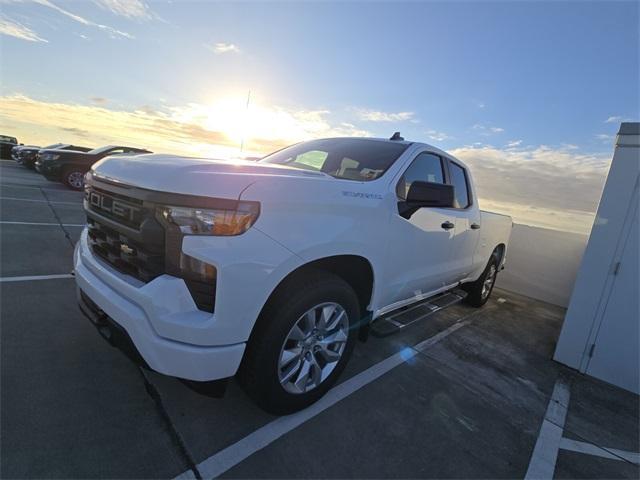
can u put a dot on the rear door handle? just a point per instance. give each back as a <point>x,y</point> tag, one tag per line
<point>475,226</point>
<point>447,225</point>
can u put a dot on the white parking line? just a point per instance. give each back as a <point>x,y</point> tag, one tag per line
<point>225,459</point>
<point>61,189</point>
<point>543,460</point>
<point>44,224</point>
<point>591,449</point>
<point>40,201</point>
<point>35,277</point>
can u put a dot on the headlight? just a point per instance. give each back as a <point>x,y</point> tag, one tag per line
<point>222,221</point>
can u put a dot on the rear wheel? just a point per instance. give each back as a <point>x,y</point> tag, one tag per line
<point>478,292</point>
<point>73,178</point>
<point>301,344</point>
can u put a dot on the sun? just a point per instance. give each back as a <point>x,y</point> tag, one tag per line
<point>231,116</point>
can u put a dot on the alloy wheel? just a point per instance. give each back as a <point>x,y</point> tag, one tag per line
<point>488,281</point>
<point>313,348</point>
<point>76,179</point>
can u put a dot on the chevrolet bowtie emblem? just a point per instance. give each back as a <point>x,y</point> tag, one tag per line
<point>124,248</point>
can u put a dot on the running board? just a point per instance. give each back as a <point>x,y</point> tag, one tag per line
<point>397,320</point>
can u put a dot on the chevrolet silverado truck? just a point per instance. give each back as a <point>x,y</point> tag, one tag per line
<point>271,270</point>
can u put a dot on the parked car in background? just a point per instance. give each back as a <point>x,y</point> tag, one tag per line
<point>6,145</point>
<point>15,151</point>
<point>27,155</point>
<point>206,269</point>
<point>69,167</point>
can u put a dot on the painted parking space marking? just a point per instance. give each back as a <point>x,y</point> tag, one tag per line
<point>35,278</point>
<point>231,456</point>
<point>36,187</point>
<point>591,449</point>
<point>42,224</point>
<point>545,453</point>
<point>40,201</point>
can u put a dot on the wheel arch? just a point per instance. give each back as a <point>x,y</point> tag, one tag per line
<point>356,270</point>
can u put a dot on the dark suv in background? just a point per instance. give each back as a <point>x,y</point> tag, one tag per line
<point>27,155</point>
<point>69,167</point>
<point>6,145</point>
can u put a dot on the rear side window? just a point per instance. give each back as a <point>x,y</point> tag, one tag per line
<point>426,167</point>
<point>460,184</point>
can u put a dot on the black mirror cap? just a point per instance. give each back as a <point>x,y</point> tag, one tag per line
<point>426,194</point>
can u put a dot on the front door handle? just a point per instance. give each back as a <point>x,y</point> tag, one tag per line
<point>475,226</point>
<point>447,225</point>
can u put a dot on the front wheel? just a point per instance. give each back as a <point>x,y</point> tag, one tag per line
<point>301,344</point>
<point>478,292</point>
<point>73,178</point>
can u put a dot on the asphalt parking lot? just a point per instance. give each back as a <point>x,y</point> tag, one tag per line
<point>467,393</point>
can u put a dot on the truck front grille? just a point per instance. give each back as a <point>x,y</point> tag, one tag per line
<point>124,232</point>
<point>124,254</point>
<point>123,209</point>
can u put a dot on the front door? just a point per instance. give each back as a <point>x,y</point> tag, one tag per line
<point>419,256</point>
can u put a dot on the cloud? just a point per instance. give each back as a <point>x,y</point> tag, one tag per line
<point>605,137</point>
<point>553,179</point>
<point>17,30</point>
<point>193,129</point>
<point>378,116</point>
<point>221,48</point>
<point>99,100</point>
<point>513,143</point>
<point>486,130</point>
<point>134,9</point>
<point>438,136</point>
<point>112,32</point>
<point>619,119</point>
<point>78,132</point>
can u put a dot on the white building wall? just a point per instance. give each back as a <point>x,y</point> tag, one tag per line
<point>600,334</point>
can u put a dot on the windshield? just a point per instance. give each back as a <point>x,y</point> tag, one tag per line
<point>54,146</point>
<point>347,158</point>
<point>4,138</point>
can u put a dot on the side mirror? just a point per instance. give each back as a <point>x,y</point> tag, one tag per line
<point>426,194</point>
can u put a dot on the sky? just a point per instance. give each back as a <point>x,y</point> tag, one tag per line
<point>529,94</point>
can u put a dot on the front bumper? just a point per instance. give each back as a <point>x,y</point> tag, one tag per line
<point>50,170</point>
<point>138,310</point>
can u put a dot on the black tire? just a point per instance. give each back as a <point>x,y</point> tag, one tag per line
<point>259,372</point>
<point>70,177</point>
<point>476,295</point>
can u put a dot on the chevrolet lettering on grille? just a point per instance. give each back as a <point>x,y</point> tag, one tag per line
<point>111,205</point>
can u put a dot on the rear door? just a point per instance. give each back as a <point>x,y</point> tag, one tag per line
<point>466,216</point>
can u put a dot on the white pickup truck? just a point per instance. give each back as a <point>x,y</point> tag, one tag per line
<point>271,270</point>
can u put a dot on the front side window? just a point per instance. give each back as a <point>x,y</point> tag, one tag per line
<point>117,151</point>
<point>460,184</point>
<point>426,167</point>
<point>345,158</point>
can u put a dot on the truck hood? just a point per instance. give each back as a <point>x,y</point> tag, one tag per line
<point>193,176</point>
